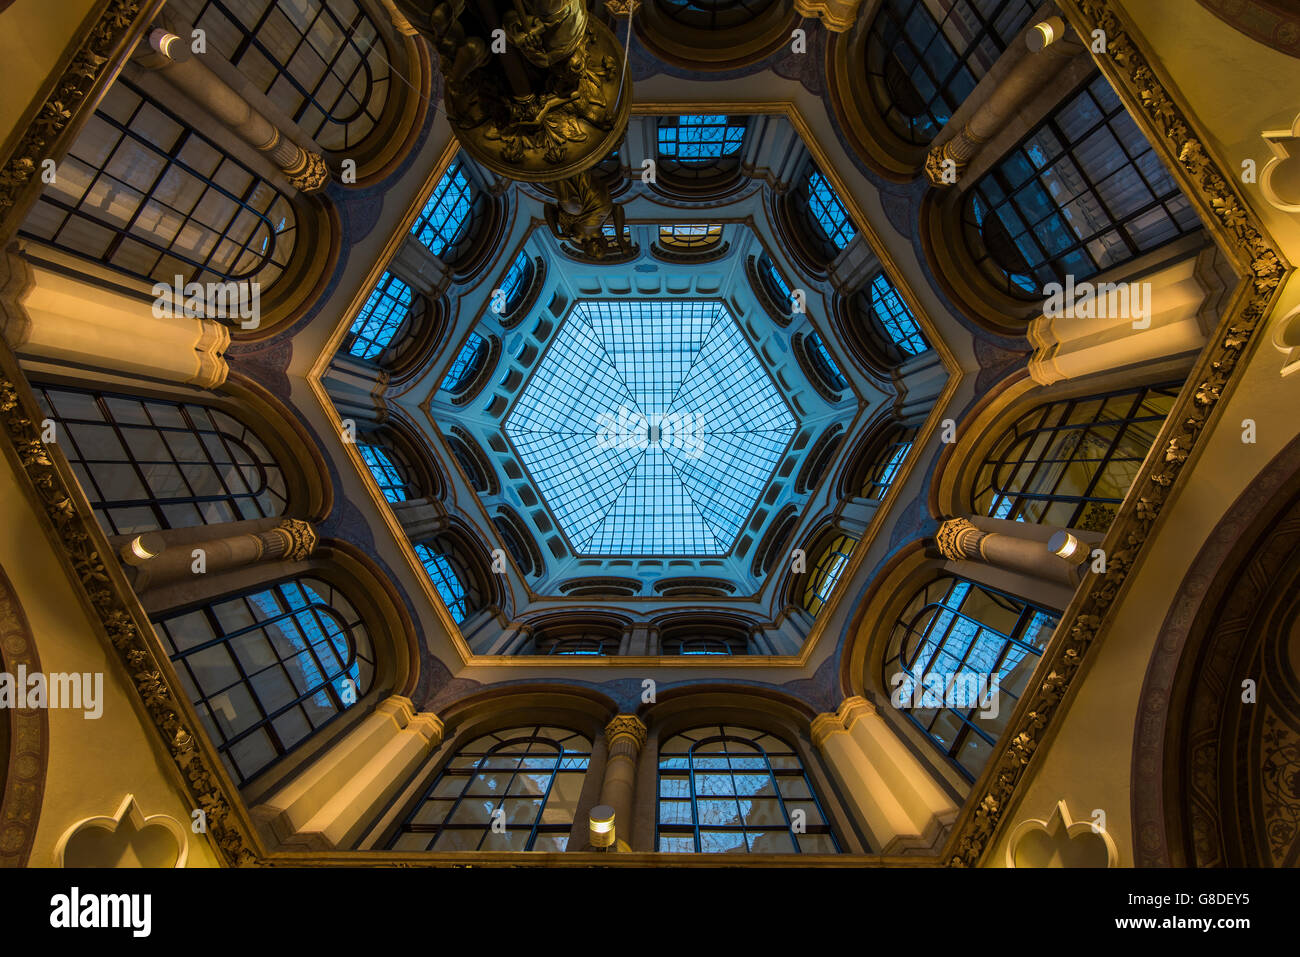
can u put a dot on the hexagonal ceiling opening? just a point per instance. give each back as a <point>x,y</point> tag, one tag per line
<point>650,427</point>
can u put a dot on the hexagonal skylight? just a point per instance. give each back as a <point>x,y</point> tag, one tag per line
<point>650,427</point>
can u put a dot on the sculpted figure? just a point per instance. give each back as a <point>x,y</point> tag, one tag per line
<point>582,208</point>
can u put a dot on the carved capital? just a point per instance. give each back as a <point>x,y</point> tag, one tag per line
<point>823,726</point>
<point>311,175</point>
<point>958,539</point>
<point>626,731</point>
<point>942,167</point>
<point>299,539</point>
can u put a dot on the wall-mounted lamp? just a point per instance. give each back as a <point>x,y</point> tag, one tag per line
<point>1065,545</point>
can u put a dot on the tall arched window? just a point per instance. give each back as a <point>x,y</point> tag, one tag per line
<point>149,464</point>
<point>450,583</point>
<point>467,364</point>
<point>776,288</point>
<point>1070,463</point>
<point>580,644</point>
<point>390,470</point>
<point>515,285</point>
<point>446,217</point>
<point>924,59</point>
<point>886,459</point>
<point>144,194</point>
<point>827,211</point>
<point>1083,193</point>
<point>823,364</point>
<point>323,64</point>
<point>725,789</point>
<point>513,790</point>
<point>384,313</point>
<point>958,660</point>
<point>893,328</point>
<point>826,573</point>
<point>267,668</point>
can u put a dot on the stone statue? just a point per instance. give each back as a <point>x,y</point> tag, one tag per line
<point>582,208</point>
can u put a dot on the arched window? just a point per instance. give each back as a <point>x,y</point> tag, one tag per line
<point>826,573</point>
<point>775,286</point>
<point>893,324</point>
<point>713,14</point>
<point>600,645</point>
<point>924,59</point>
<point>1070,463</point>
<point>690,238</point>
<point>450,583</point>
<point>390,470</point>
<point>149,464</point>
<point>144,194</point>
<point>733,790</point>
<point>822,363</point>
<point>467,364</point>
<point>704,646</point>
<point>827,211</point>
<point>472,464</point>
<point>267,668</point>
<point>1083,193</point>
<point>529,779</point>
<point>375,328</point>
<point>887,457</point>
<point>322,63</point>
<point>445,219</point>
<point>699,139</point>
<point>507,528</point>
<point>515,285</point>
<point>957,661</point>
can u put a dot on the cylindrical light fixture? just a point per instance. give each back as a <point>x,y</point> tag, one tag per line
<point>1065,545</point>
<point>600,825</point>
<point>1044,33</point>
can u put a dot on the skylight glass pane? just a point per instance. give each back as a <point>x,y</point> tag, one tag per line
<point>466,364</point>
<point>829,212</point>
<point>650,427</point>
<point>896,319</point>
<point>444,216</point>
<point>380,318</point>
<point>445,580</point>
<point>700,138</point>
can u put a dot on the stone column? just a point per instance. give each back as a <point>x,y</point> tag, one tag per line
<point>773,151</point>
<point>1048,53</point>
<point>1173,322</point>
<point>162,558</point>
<point>305,171</point>
<point>919,380</point>
<point>626,735</point>
<point>894,796</point>
<point>959,540</point>
<point>65,321</point>
<point>331,803</point>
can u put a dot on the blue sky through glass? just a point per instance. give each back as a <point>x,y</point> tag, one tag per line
<point>650,427</point>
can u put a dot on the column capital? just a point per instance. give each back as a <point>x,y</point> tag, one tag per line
<point>958,539</point>
<point>398,707</point>
<point>825,725</point>
<point>853,708</point>
<point>296,540</point>
<point>626,726</point>
<point>428,725</point>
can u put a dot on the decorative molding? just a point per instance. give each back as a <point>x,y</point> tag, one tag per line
<point>1060,831</point>
<point>626,726</point>
<point>29,738</point>
<point>1237,229</point>
<point>133,819</point>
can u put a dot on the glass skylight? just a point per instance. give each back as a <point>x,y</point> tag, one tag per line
<point>650,427</point>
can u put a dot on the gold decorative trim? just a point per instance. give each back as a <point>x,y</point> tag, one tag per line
<point>1234,225</point>
<point>958,539</point>
<point>628,726</point>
